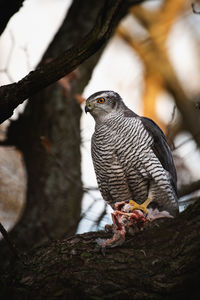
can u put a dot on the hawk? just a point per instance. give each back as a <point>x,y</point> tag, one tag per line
<point>132,160</point>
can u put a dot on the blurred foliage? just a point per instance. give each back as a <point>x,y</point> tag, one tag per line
<point>160,75</point>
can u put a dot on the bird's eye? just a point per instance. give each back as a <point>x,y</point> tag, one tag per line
<point>101,100</point>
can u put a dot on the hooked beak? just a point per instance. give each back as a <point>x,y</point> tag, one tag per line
<point>87,109</point>
<point>89,106</point>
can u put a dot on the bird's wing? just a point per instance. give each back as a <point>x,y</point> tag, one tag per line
<point>161,148</point>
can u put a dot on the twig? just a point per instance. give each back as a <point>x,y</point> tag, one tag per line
<point>194,10</point>
<point>8,241</point>
<point>169,126</point>
<point>186,141</point>
<point>188,201</point>
<point>101,216</point>
<point>12,95</point>
<point>189,188</point>
<point>90,188</point>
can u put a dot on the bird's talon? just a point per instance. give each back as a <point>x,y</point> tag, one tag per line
<point>134,205</point>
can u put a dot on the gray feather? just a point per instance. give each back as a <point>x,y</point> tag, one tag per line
<point>161,148</point>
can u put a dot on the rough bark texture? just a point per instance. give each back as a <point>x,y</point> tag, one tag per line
<point>48,134</point>
<point>105,22</point>
<point>161,262</point>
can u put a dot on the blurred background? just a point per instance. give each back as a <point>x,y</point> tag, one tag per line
<point>152,61</point>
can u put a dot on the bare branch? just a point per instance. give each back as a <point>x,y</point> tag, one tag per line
<point>194,10</point>
<point>8,241</point>
<point>101,216</point>
<point>156,58</point>
<point>186,141</point>
<point>8,58</point>
<point>8,9</point>
<point>189,188</point>
<point>14,94</point>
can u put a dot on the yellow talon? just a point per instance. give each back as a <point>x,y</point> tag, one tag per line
<point>142,206</point>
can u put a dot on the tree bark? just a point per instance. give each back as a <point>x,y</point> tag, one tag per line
<point>160,262</point>
<point>111,12</point>
<point>8,9</point>
<point>48,134</point>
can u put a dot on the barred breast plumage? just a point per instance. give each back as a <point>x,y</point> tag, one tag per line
<point>130,154</point>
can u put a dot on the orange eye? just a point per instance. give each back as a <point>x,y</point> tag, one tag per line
<point>101,100</point>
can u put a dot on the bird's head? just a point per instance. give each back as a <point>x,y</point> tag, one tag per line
<point>104,103</point>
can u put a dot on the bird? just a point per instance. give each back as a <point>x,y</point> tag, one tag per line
<point>131,157</point>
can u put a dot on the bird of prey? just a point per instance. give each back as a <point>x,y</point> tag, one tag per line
<point>132,160</point>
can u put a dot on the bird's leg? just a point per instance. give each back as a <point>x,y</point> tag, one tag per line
<point>143,206</point>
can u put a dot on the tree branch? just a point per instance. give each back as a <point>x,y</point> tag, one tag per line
<point>14,94</point>
<point>156,263</point>
<point>11,246</point>
<point>189,188</point>
<point>194,9</point>
<point>157,61</point>
<point>7,11</point>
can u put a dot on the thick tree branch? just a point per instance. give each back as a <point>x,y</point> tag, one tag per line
<point>48,126</point>
<point>14,94</point>
<point>189,188</point>
<point>8,9</point>
<point>9,243</point>
<point>161,262</point>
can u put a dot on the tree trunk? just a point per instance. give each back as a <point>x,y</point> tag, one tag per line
<point>48,134</point>
<point>11,95</point>
<point>160,262</point>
